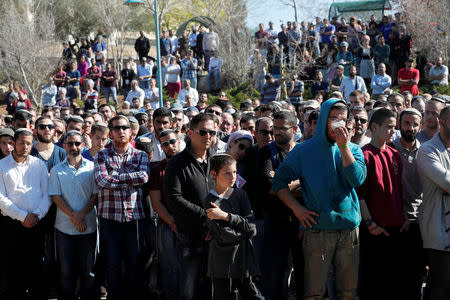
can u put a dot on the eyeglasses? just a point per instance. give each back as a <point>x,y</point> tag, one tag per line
<point>363,121</point>
<point>203,132</point>
<point>121,127</point>
<point>265,132</point>
<point>217,113</point>
<point>44,126</point>
<point>281,128</point>
<point>70,144</point>
<point>166,143</point>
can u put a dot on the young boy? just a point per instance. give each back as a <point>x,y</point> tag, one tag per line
<point>384,221</point>
<point>231,262</point>
<point>99,138</point>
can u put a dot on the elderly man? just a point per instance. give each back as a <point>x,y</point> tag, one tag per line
<point>438,73</point>
<point>381,82</point>
<point>188,90</point>
<point>135,92</point>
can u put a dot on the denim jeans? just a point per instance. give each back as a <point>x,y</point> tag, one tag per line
<point>325,248</point>
<point>280,237</point>
<point>166,242</point>
<point>76,256</point>
<point>191,255</point>
<point>292,56</point>
<point>144,84</point>
<point>122,241</point>
<point>208,54</point>
<point>214,73</point>
<point>110,91</point>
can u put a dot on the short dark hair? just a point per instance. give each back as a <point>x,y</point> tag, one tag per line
<point>286,115</point>
<point>357,94</point>
<point>245,105</point>
<point>22,115</point>
<point>218,161</point>
<point>444,113</point>
<point>313,116</point>
<point>201,117</point>
<point>74,119</point>
<point>380,115</point>
<point>73,133</point>
<point>99,128</point>
<point>245,118</point>
<point>162,112</point>
<point>166,132</point>
<point>21,131</point>
<point>383,104</point>
<point>41,119</point>
<point>396,95</point>
<point>258,121</point>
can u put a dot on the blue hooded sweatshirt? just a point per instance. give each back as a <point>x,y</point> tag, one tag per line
<point>327,187</point>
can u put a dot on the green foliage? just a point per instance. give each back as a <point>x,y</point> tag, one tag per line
<point>238,94</point>
<point>440,89</point>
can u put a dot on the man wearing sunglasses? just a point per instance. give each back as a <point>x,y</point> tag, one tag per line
<point>72,188</point>
<point>167,229</point>
<point>361,123</point>
<point>120,171</point>
<point>186,184</point>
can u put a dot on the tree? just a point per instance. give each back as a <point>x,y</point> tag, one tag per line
<point>294,5</point>
<point>27,33</point>
<point>428,23</point>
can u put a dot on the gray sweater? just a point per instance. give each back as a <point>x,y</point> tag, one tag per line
<point>433,162</point>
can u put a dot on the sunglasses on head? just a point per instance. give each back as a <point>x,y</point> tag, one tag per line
<point>166,143</point>
<point>121,127</point>
<point>203,132</point>
<point>70,144</point>
<point>265,132</point>
<point>44,126</point>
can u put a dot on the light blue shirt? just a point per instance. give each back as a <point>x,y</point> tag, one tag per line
<point>380,83</point>
<point>144,71</point>
<point>76,188</point>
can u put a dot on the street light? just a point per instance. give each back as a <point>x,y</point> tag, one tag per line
<point>158,52</point>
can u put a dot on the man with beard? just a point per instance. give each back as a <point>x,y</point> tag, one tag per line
<point>351,83</point>
<point>162,120</point>
<point>280,227</point>
<point>166,236</point>
<point>73,189</point>
<point>433,163</point>
<point>44,149</point>
<point>407,145</point>
<point>24,202</point>
<point>119,172</point>
<point>361,122</point>
<point>186,183</point>
<point>433,108</point>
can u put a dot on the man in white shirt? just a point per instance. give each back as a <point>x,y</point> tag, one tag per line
<point>188,90</point>
<point>135,92</point>
<point>439,73</point>
<point>152,94</point>
<point>380,82</point>
<point>24,202</point>
<point>273,33</point>
<point>351,83</point>
<point>174,41</point>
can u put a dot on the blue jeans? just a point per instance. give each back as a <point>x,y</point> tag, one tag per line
<point>166,242</point>
<point>110,91</point>
<point>280,237</point>
<point>122,241</point>
<point>214,73</point>
<point>191,256</point>
<point>76,256</point>
<point>324,248</point>
<point>144,84</point>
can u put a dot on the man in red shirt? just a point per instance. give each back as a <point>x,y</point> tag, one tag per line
<point>261,37</point>
<point>408,78</point>
<point>382,211</point>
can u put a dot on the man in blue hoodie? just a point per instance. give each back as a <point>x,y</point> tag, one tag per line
<point>329,167</point>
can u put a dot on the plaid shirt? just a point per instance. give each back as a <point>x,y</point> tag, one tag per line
<point>189,68</point>
<point>120,180</point>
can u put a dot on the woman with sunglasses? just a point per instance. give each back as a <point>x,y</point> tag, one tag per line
<point>239,143</point>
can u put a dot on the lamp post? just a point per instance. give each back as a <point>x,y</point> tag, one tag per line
<point>158,51</point>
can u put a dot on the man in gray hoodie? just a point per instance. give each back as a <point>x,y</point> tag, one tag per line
<point>433,162</point>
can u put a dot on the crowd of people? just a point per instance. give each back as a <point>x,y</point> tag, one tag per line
<point>342,196</point>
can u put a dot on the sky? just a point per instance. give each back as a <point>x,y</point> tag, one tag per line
<point>263,11</point>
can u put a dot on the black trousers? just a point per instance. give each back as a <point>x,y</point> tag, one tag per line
<point>224,289</point>
<point>21,265</point>
<point>438,284</point>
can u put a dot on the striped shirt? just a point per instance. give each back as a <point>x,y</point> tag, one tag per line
<point>120,180</point>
